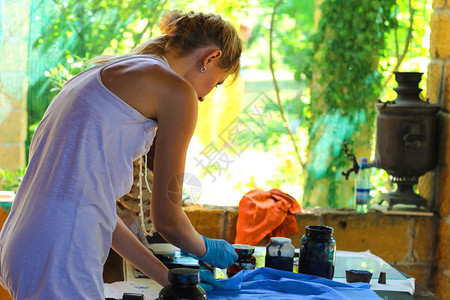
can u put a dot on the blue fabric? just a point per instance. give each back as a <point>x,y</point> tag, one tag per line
<point>266,283</point>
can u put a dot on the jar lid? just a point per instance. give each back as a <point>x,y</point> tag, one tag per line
<point>243,249</point>
<point>321,231</point>
<point>280,240</point>
<point>184,276</point>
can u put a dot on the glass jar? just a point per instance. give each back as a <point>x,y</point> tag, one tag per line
<point>183,285</point>
<point>245,261</point>
<point>280,254</point>
<point>317,251</point>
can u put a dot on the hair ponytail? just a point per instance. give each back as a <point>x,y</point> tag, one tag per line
<point>185,32</point>
<point>190,31</point>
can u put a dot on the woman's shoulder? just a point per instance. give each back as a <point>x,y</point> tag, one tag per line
<point>139,66</point>
<point>159,79</point>
<point>150,73</point>
<point>146,84</point>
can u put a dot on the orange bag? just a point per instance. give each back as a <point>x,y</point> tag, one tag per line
<point>263,213</point>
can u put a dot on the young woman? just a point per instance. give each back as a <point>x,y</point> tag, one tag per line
<point>63,220</point>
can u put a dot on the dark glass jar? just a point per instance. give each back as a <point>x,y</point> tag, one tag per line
<point>245,261</point>
<point>183,285</point>
<point>317,251</point>
<point>280,254</point>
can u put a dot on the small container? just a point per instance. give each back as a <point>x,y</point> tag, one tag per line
<point>382,278</point>
<point>183,285</point>
<point>245,261</point>
<point>317,251</point>
<point>132,296</point>
<point>362,187</point>
<point>280,254</point>
<point>358,276</point>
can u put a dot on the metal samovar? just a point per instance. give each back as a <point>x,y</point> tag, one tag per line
<point>406,139</point>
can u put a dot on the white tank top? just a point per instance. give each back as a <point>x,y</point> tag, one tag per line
<point>57,237</point>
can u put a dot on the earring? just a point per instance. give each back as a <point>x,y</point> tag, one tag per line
<point>203,69</point>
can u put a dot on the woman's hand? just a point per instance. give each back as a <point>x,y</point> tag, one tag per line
<point>219,253</point>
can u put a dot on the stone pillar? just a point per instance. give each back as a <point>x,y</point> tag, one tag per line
<point>438,89</point>
<point>13,83</point>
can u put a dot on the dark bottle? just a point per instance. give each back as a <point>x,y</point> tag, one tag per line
<point>245,261</point>
<point>317,251</point>
<point>183,285</point>
<point>280,254</point>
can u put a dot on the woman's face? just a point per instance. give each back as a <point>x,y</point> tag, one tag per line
<point>204,82</point>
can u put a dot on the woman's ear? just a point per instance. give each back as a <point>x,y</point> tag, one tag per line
<point>213,55</point>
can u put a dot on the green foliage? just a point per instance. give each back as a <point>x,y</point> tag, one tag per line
<point>60,75</point>
<point>86,28</point>
<point>345,82</point>
<point>10,181</point>
<point>294,23</point>
<point>346,49</point>
<point>298,17</point>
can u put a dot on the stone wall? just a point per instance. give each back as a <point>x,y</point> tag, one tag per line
<point>13,84</point>
<point>438,87</point>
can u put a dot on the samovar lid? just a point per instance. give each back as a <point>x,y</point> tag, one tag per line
<point>408,96</point>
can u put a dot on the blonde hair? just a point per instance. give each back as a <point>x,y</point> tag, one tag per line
<point>185,32</point>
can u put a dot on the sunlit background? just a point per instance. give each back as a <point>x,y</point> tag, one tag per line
<point>252,133</point>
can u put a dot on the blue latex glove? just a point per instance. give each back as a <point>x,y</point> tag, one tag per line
<point>208,282</point>
<point>219,253</point>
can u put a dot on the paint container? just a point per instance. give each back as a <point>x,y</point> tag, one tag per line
<point>317,251</point>
<point>245,261</point>
<point>280,254</point>
<point>183,285</point>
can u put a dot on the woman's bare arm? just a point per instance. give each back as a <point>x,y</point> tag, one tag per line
<point>130,248</point>
<point>177,116</point>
